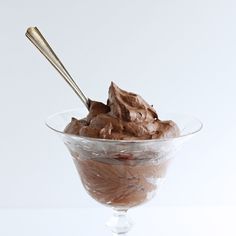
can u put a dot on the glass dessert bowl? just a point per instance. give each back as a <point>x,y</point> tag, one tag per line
<point>121,149</point>
<point>122,173</point>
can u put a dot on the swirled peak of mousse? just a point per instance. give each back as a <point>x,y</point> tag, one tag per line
<point>129,106</point>
<point>126,116</point>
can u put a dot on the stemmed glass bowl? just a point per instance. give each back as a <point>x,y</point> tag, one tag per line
<point>121,174</point>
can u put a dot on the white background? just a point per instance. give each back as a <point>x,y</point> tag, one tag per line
<point>179,55</point>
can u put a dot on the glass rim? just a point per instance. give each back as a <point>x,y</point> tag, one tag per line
<point>200,126</point>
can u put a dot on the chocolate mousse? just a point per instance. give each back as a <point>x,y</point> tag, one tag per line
<point>120,183</point>
<point>126,116</point>
<point>121,174</point>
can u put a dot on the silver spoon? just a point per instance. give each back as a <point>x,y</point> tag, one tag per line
<point>35,36</point>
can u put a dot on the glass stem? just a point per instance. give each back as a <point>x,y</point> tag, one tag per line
<point>119,223</point>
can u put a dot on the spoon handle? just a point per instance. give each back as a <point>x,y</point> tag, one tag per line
<point>35,36</point>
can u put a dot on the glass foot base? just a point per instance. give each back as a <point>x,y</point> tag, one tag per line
<point>119,223</point>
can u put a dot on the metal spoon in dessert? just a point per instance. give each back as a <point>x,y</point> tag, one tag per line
<point>35,36</point>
